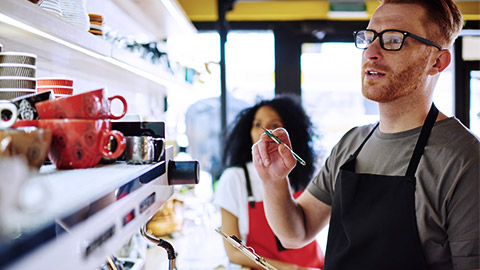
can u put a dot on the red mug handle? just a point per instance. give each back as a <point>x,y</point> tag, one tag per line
<point>121,144</point>
<point>125,107</point>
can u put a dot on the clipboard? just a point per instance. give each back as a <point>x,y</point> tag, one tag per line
<point>248,251</point>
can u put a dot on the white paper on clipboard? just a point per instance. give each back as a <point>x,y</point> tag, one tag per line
<point>248,251</point>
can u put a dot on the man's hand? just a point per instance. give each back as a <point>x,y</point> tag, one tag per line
<point>273,161</point>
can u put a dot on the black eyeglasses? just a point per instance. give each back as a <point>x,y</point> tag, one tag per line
<point>390,40</point>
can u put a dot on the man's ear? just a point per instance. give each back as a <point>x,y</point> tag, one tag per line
<point>444,57</point>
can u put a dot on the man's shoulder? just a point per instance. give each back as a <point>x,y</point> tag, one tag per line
<point>452,132</point>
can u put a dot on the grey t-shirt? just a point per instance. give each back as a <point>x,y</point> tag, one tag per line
<point>447,195</point>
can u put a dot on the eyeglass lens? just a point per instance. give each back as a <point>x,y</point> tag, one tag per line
<point>390,40</point>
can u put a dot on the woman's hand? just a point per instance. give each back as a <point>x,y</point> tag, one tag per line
<point>273,161</point>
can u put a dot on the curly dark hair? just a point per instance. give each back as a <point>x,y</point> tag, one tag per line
<point>238,143</point>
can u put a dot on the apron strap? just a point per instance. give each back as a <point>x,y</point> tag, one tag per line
<point>350,163</point>
<point>364,141</point>
<point>422,140</point>
<point>251,200</point>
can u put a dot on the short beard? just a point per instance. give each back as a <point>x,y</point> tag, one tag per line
<point>400,84</point>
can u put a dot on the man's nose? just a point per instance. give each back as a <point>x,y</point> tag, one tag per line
<point>374,50</point>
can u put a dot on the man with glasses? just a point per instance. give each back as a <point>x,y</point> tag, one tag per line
<point>402,193</point>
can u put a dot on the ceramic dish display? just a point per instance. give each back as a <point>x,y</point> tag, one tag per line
<point>18,70</point>
<point>52,6</point>
<point>75,12</point>
<point>31,143</point>
<point>26,104</point>
<point>61,87</point>
<point>57,90</point>
<point>11,93</point>
<point>54,81</point>
<point>17,82</point>
<point>37,2</point>
<point>18,58</point>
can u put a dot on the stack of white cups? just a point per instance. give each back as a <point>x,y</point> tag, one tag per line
<point>17,74</point>
<point>52,6</point>
<point>75,12</point>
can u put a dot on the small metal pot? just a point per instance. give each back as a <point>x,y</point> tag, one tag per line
<point>143,149</point>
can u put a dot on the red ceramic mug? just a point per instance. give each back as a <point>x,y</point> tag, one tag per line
<point>89,105</point>
<point>78,143</point>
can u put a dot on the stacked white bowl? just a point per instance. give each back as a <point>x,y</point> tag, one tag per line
<point>17,74</point>
<point>52,6</point>
<point>75,12</point>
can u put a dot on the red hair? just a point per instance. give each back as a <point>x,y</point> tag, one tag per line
<point>442,13</point>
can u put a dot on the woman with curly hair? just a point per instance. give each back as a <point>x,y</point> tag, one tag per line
<point>239,193</point>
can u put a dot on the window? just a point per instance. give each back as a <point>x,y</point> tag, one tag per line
<point>331,91</point>
<point>250,65</point>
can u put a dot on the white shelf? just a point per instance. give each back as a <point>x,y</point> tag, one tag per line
<point>151,14</point>
<point>82,220</point>
<point>24,14</point>
<point>63,48</point>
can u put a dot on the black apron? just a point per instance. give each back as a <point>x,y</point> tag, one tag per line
<point>373,224</point>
